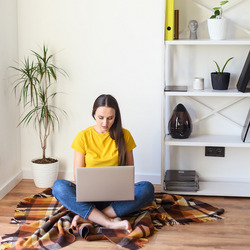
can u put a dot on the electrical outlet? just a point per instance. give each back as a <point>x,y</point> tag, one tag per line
<point>215,151</point>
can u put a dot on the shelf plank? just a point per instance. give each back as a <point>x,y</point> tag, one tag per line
<point>208,140</point>
<point>209,42</point>
<point>209,92</point>
<point>240,189</point>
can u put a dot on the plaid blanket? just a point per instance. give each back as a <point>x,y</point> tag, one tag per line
<point>45,224</point>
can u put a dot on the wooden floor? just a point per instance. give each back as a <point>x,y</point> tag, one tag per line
<point>231,233</point>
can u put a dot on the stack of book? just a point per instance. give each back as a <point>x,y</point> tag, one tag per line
<point>181,180</point>
<point>171,21</point>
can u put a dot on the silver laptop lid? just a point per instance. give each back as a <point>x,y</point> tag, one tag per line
<point>105,183</point>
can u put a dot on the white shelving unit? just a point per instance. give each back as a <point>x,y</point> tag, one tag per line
<point>213,188</point>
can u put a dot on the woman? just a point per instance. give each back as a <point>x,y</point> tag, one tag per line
<point>104,144</point>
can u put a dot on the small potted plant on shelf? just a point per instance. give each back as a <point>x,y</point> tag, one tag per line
<point>220,79</point>
<point>217,25</point>
<point>36,89</point>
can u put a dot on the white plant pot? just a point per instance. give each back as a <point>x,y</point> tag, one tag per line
<point>217,29</point>
<point>45,175</point>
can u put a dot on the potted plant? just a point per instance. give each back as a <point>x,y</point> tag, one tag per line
<point>220,79</point>
<point>217,25</point>
<point>35,89</point>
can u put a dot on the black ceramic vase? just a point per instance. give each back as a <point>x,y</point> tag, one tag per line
<point>180,124</point>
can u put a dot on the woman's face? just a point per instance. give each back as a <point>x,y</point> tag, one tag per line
<point>105,117</point>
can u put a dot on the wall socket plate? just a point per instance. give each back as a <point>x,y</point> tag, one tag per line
<point>215,151</point>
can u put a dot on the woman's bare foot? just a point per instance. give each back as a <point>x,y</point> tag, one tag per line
<point>77,220</point>
<point>102,219</point>
<point>117,219</point>
<point>117,223</point>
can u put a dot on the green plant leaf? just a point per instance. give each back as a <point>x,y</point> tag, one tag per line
<point>27,118</point>
<point>223,2</point>
<point>217,12</point>
<point>218,67</point>
<point>226,64</point>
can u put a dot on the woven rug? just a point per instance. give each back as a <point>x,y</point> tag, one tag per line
<point>45,224</point>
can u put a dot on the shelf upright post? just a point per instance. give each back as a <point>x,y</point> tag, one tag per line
<point>168,65</point>
<point>165,161</point>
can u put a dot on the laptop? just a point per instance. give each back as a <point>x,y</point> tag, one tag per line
<point>104,183</point>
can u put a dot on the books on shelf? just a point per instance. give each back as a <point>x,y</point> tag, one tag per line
<point>181,180</point>
<point>180,88</point>
<point>176,24</point>
<point>245,135</point>
<point>169,20</point>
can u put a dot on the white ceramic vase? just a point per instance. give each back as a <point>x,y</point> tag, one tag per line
<point>45,175</point>
<point>217,28</point>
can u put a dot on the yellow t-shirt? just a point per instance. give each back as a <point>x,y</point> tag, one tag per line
<point>99,148</point>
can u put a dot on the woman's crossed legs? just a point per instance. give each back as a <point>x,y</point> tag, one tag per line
<point>105,214</point>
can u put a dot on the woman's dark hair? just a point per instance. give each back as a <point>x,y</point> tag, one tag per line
<point>115,131</point>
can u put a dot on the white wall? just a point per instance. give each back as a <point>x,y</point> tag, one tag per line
<point>10,166</point>
<point>111,46</point>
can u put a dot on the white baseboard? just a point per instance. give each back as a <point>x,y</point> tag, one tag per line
<point>27,174</point>
<point>68,175</point>
<point>10,184</point>
<point>153,178</point>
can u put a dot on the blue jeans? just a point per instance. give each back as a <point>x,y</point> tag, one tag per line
<point>65,192</point>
